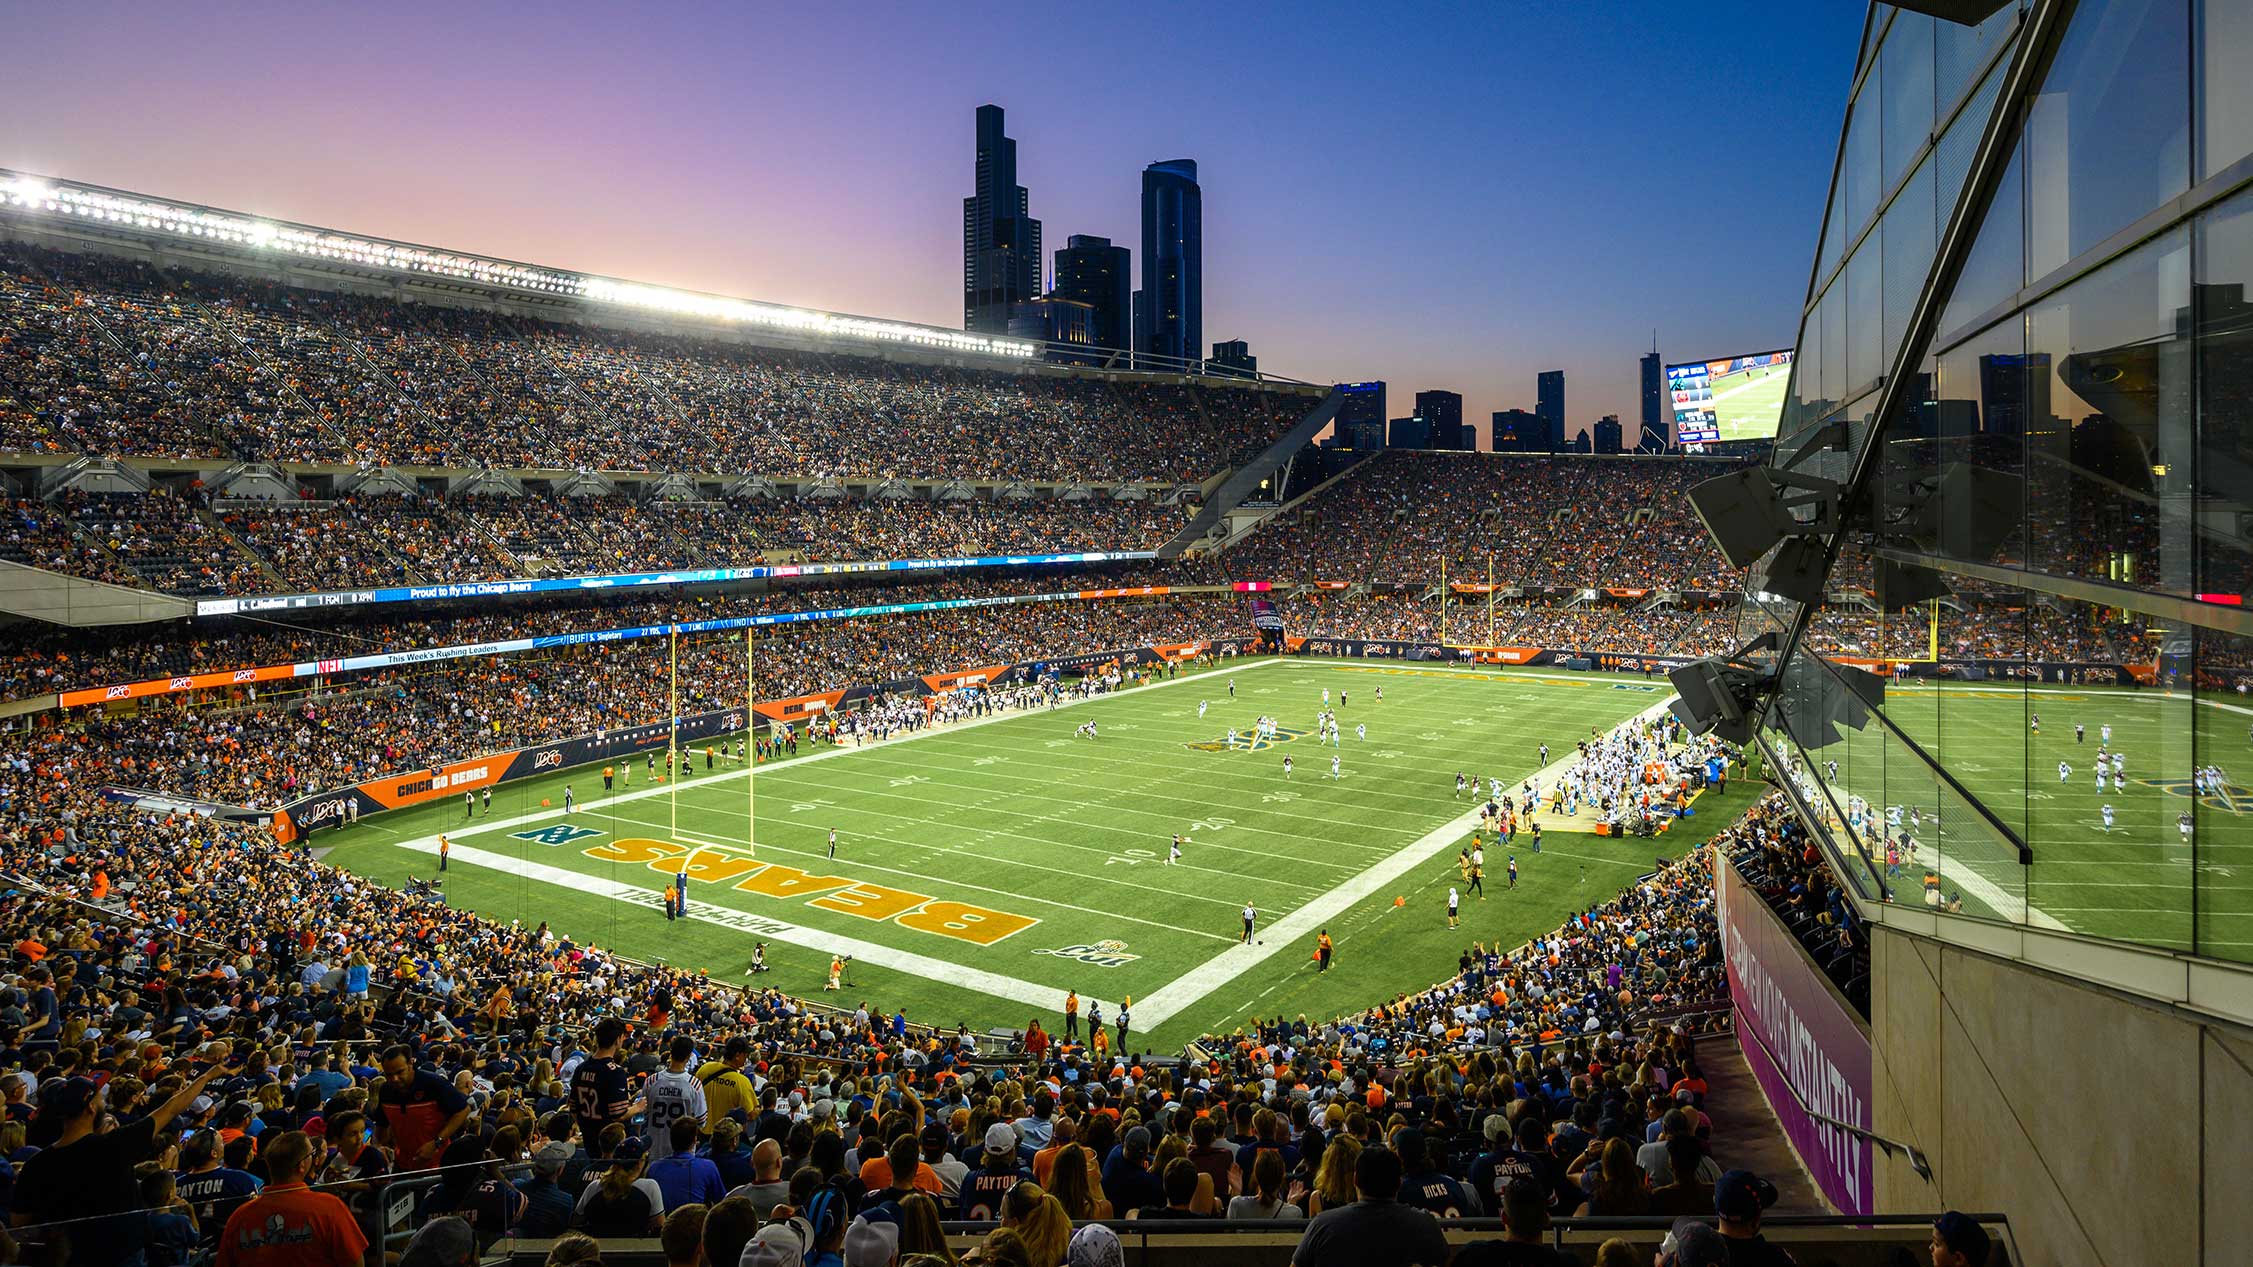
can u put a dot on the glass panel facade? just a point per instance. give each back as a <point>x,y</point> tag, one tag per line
<point>2069,482</point>
<point>2225,91</point>
<point>1907,96</point>
<point>2108,132</point>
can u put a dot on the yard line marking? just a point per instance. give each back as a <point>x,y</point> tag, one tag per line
<point>992,983</point>
<point>927,878</point>
<point>1292,930</point>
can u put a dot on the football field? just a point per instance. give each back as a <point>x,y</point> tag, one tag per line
<point>986,868</point>
<point>1746,405</point>
<point>2134,877</point>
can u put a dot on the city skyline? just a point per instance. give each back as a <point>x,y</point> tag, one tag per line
<point>1556,249</point>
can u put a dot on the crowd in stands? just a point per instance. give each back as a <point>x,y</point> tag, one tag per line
<point>263,747</point>
<point>1540,521</point>
<point>120,358</point>
<point>1787,869</point>
<point>211,1020</point>
<point>183,543</point>
<point>42,658</point>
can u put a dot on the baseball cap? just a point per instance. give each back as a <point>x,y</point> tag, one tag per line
<point>631,1148</point>
<point>74,1097</point>
<point>1962,1233</point>
<point>444,1240</point>
<point>870,1244</point>
<point>1495,1127</point>
<point>935,1135</point>
<point>777,1245</point>
<point>824,1108</point>
<point>1095,1245</point>
<point>1001,1137</point>
<point>550,1158</point>
<point>1742,1195</point>
<point>1694,1243</point>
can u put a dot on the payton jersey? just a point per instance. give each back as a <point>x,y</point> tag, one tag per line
<point>671,1097</point>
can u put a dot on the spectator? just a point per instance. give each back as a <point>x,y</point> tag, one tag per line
<point>85,1178</point>
<point>1959,1241</point>
<point>1375,1230</point>
<point>1266,1199</point>
<point>547,1207</point>
<point>682,1236</point>
<point>1739,1198</point>
<point>683,1177</point>
<point>443,1242</point>
<point>290,1225</point>
<point>1525,1216</point>
<point>624,1202</point>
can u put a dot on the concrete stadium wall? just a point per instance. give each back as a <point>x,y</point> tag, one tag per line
<point>2111,1130</point>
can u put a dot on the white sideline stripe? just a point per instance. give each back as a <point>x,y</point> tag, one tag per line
<point>908,961</point>
<point>1191,987</point>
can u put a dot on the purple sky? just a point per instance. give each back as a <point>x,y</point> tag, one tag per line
<point>1440,197</point>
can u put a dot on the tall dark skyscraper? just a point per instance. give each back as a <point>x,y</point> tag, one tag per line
<point>1091,271</point>
<point>1169,310</point>
<point>1549,402</point>
<point>1001,257</point>
<point>1361,414</point>
<point>1442,412</point>
<point>1654,412</point>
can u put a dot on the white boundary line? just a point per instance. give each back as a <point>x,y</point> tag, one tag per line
<point>1291,931</point>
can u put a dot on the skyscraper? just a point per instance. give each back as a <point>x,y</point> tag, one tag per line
<point>1235,356</point>
<point>1608,435</point>
<point>1656,434</point>
<point>1091,271</point>
<point>1169,310</point>
<point>1442,412</point>
<point>1001,256</point>
<point>1361,414</point>
<point>1549,403</point>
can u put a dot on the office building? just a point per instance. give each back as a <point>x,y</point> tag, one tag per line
<point>1234,357</point>
<point>1001,257</point>
<point>1442,412</point>
<point>1065,324</point>
<point>1605,436</point>
<point>2047,455</point>
<point>1519,431</point>
<point>1549,402</point>
<point>1657,435</point>
<point>1169,310</point>
<point>1091,271</point>
<point>1361,414</point>
<point>1408,433</point>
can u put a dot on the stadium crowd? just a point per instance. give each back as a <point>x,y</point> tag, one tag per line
<point>184,1052</point>
<point>261,748</point>
<point>182,543</point>
<point>120,358</point>
<point>1540,521</point>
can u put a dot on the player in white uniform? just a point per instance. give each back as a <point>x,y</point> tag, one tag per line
<point>1334,767</point>
<point>2182,825</point>
<point>2100,776</point>
<point>2107,817</point>
<point>1201,709</point>
<point>1361,731</point>
<point>1232,737</point>
<point>2064,772</point>
<point>672,1093</point>
<point>2104,733</point>
<point>1454,906</point>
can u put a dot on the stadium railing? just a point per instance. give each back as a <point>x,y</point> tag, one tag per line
<point>1845,1241</point>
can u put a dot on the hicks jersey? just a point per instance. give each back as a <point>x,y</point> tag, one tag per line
<point>671,1096</point>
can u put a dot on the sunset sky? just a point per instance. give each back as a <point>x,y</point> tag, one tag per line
<point>1438,196</point>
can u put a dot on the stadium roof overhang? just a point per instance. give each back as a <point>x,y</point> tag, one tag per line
<point>94,210</point>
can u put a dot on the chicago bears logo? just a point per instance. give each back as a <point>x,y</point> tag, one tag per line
<point>549,758</point>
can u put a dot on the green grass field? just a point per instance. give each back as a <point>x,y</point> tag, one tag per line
<point>985,869</point>
<point>2136,880</point>
<point>1746,405</point>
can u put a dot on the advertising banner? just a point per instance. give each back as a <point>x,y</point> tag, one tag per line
<point>1807,1048</point>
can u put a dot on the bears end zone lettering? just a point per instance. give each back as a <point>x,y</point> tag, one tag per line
<point>961,921</point>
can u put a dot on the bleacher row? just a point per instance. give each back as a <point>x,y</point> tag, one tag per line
<point>101,355</point>
<point>294,1024</point>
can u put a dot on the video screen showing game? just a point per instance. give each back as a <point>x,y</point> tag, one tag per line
<point>1733,398</point>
